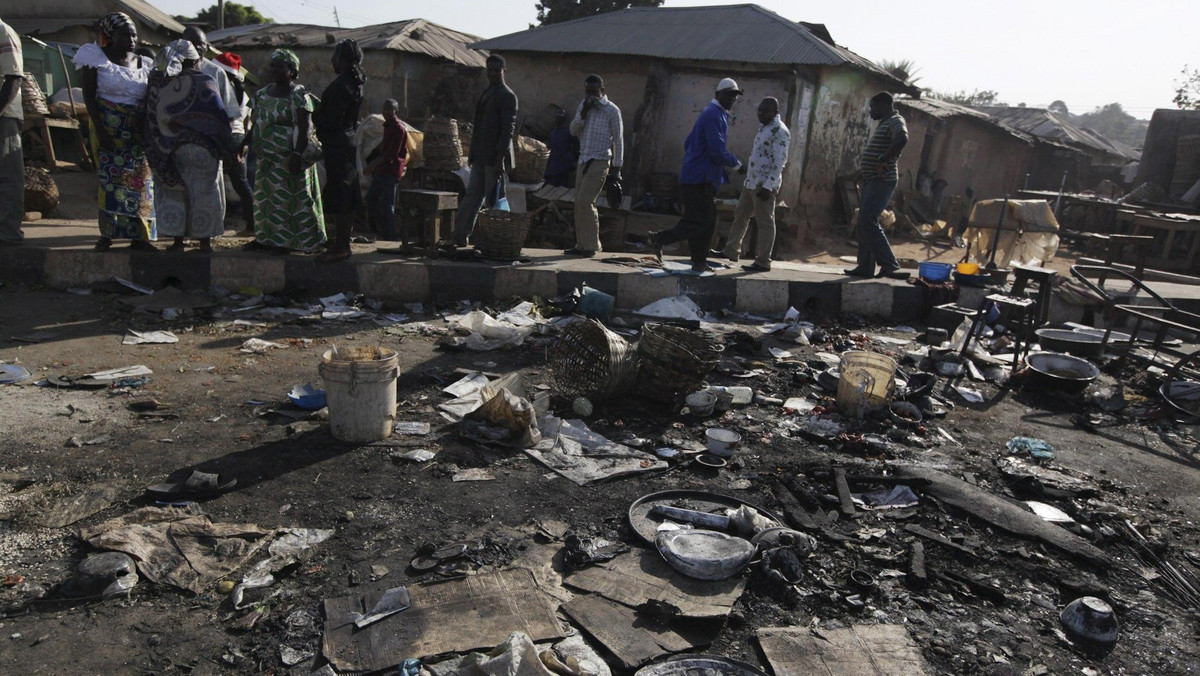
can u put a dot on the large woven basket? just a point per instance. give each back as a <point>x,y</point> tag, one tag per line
<point>673,361</point>
<point>532,156</point>
<point>588,360</point>
<point>500,234</point>
<point>443,150</point>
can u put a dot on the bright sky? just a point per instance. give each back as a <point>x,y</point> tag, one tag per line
<point>1031,51</point>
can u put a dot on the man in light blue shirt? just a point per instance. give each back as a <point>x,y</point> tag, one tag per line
<point>705,158</point>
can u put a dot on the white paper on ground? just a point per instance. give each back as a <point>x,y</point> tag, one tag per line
<point>124,372</point>
<point>148,337</point>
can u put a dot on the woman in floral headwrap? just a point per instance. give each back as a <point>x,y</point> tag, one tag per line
<point>287,195</point>
<point>187,132</point>
<point>114,84</point>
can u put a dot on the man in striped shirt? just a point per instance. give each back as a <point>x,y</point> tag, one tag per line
<point>597,123</point>
<point>878,177</point>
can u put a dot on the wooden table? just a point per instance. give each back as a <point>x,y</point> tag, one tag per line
<point>1176,239</point>
<point>433,209</point>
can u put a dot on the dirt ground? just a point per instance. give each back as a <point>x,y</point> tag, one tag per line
<point>295,474</point>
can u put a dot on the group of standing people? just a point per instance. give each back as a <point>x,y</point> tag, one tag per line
<point>164,130</point>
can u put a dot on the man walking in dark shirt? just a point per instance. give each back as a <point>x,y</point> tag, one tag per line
<point>878,176</point>
<point>491,147</point>
<point>705,157</point>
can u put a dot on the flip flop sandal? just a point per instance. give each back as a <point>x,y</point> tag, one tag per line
<point>196,485</point>
<point>422,564</point>
<point>77,382</point>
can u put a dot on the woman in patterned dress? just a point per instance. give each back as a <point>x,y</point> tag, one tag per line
<point>287,195</point>
<point>187,131</point>
<point>114,84</point>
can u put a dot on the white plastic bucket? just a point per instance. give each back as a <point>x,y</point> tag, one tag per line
<point>722,442</point>
<point>360,388</point>
<point>865,384</point>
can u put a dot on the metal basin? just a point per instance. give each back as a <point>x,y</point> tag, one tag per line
<point>1077,343</point>
<point>1062,372</point>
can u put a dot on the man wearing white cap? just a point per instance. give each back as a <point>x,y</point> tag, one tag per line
<point>705,158</point>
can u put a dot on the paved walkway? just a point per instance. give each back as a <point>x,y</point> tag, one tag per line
<point>59,254</point>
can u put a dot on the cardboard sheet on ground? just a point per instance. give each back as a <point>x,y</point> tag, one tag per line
<point>573,450</point>
<point>179,546</point>
<point>459,615</point>
<point>642,576</point>
<point>635,638</point>
<point>81,505</point>
<point>860,650</point>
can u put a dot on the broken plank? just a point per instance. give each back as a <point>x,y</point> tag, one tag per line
<point>918,575</point>
<point>843,491</point>
<point>636,638</point>
<point>1003,514</point>
<point>938,538</point>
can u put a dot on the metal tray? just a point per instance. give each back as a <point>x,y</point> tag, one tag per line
<point>646,526</point>
<point>700,665</point>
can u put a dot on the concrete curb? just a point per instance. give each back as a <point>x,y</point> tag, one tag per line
<point>410,280</point>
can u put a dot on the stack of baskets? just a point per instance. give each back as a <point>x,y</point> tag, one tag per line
<point>443,150</point>
<point>466,130</point>
<point>532,156</point>
<point>33,101</point>
<point>591,361</point>
<point>673,361</point>
<point>499,235</point>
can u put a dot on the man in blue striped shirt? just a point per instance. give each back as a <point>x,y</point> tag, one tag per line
<point>878,176</point>
<point>704,160</point>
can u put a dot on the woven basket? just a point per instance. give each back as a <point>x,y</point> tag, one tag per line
<point>532,156</point>
<point>673,361</point>
<point>590,361</point>
<point>500,234</point>
<point>443,149</point>
<point>33,101</point>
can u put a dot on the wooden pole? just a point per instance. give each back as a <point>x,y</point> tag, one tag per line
<point>220,14</point>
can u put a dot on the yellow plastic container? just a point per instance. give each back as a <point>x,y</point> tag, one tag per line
<point>967,268</point>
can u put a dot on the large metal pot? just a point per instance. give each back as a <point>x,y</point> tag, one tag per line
<point>1077,343</point>
<point>1061,372</point>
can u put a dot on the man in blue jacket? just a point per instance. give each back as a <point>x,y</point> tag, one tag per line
<point>704,160</point>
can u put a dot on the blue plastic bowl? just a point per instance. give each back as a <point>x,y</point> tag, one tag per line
<point>307,397</point>
<point>934,272</point>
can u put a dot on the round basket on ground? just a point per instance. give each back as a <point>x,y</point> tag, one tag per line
<point>531,158</point>
<point>442,148</point>
<point>588,360</point>
<point>500,234</point>
<point>673,360</point>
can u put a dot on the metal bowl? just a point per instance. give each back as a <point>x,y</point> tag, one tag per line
<point>1091,621</point>
<point>1077,343</point>
<point>1062,372</point>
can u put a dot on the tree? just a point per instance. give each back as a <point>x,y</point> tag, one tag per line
<point>978,98</point>
<point>558,11</point>
<point>1059,107</point>
<point>235,15</point>
<point>904,70</point>
<point>1113,122</point>
<point>1187,90</point>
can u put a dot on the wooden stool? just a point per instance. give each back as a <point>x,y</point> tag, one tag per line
<point>1020,322</point>
<point>435,209</point>
<point>1045,285</point>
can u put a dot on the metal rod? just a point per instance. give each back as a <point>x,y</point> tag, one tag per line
<point>991,265</point>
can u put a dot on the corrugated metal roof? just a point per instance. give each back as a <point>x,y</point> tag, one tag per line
<point>944,110</point>
<point>737,33</point>
<point>416,36</point>
<point>1046,124</point>
<point>47,16</point>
